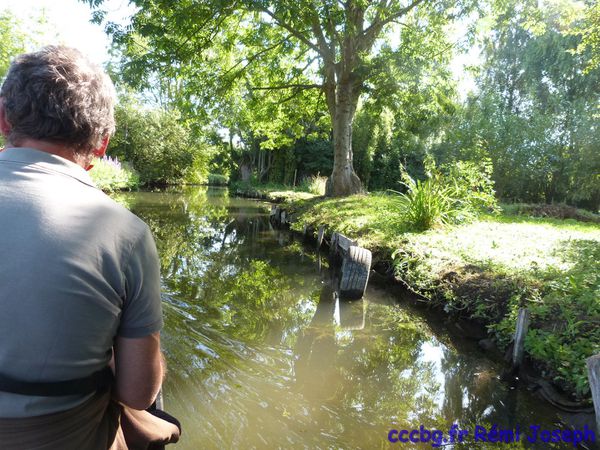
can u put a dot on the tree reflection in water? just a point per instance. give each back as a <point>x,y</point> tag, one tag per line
<point>261,354</point>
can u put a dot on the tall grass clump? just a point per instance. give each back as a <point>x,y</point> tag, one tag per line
<point>314,184</point>
<point>455,193</point>
<point>109,174</point>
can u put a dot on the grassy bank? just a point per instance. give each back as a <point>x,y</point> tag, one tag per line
<point>486,270</point>
<point>274,192</point>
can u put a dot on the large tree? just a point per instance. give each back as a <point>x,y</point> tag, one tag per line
<point>330,45</point>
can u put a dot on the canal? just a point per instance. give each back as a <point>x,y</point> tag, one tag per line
<point>262,355</point>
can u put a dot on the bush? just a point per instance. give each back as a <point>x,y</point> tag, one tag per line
<point>110,174</point>
<point>197,172</point>
<point>216,179</point>
<point>160,147</point>
<point>455,195</point>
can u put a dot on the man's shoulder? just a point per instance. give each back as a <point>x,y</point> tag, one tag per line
<point>120,216</point>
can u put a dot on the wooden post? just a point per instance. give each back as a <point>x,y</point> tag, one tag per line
<point>333,244</point>
<point>295,173</point>
<point>520,333</point>
<point>593,366</point>
<point>159,401</point>
<point>320,236</point>
<point>282,217</point>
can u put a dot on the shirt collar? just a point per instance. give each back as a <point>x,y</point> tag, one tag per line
<point>48,161</point>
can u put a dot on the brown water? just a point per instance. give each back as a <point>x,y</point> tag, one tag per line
<point>262,355</point>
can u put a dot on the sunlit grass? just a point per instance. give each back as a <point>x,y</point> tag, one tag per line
<point>371,219</point>
<point>517,245</point>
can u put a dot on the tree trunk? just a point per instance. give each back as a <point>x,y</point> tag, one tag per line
<point>343,181</point>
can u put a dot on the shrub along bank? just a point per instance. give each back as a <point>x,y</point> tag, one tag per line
<point>485,270</point>
<point>110,174</point>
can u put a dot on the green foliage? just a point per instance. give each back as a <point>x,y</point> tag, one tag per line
<point>427,203</point>
<point>216,179</point>
<point>160,147</point>
<point>453,196</point>
<point>197,172</point>
<point>472,183</point>
<point>563,314</point>
<point>110,174</point>
<point>13,40</point>
<point>412,104</point>
<point>313,155</point>
<point>590,42</point>
<point>535,114</point>
<point>556,211</point>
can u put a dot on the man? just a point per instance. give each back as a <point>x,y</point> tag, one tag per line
<point>79,274</point>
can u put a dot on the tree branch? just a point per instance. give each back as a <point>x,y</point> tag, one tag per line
<point>199,28</point>
<point>252,58</point>
<point>325,49</point>
<point>292,30</point>
<point>371,33</point>
<point>287,86</point>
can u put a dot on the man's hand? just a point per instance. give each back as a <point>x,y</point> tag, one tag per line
<point>139,369</point>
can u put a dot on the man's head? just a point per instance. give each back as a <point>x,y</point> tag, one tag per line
<point>57,95</point>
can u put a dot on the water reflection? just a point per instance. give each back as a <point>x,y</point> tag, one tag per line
<point>263,355</point>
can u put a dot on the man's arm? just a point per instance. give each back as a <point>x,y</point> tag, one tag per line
<point>139,370</point>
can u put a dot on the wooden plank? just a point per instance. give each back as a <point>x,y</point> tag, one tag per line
<point>593,366</point>
<point>520,333</point>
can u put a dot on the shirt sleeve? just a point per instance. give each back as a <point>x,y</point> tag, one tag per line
<point>142,309</point>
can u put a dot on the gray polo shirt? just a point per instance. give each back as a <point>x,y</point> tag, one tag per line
<point>76,270</point>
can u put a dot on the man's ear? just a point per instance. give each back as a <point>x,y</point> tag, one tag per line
<point>100,151</point>
<point>5,126</point>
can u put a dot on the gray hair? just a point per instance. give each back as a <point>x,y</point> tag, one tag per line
<point>56,94</point>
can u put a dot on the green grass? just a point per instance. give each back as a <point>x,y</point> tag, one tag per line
<point>487,269</point>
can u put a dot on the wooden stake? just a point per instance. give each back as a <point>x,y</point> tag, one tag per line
<point>320,236</point>
<point>520,333</point>
<point>593,365</point>
<point>159,401</point>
